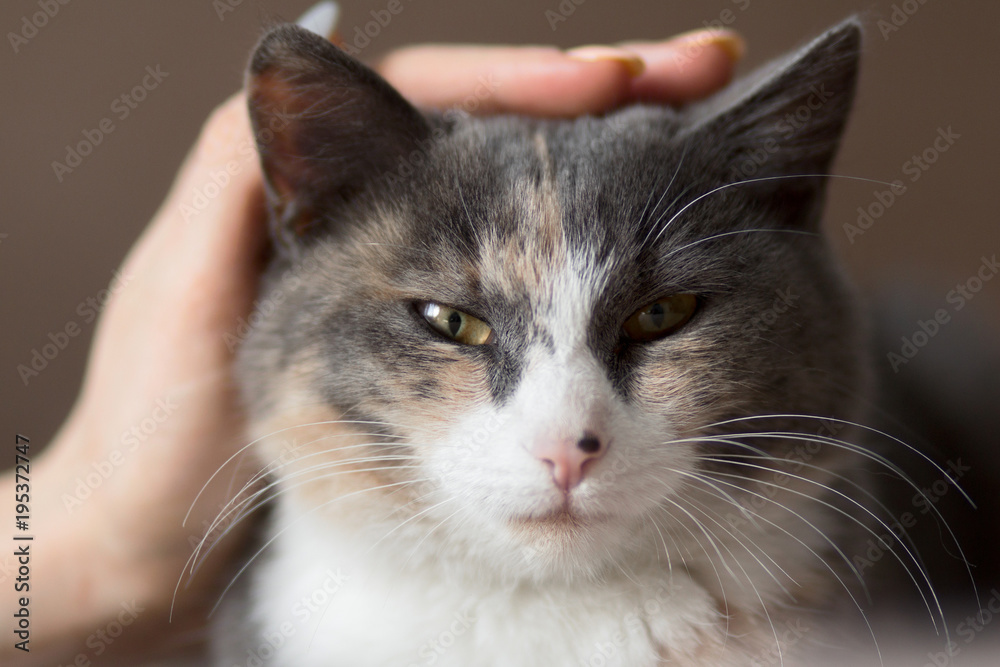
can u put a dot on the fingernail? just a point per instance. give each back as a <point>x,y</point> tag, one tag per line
<point>727,40</point>
<point>321,18</point>
<point>599,53</point>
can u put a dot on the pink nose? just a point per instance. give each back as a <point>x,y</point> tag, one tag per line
<point>567,457</point>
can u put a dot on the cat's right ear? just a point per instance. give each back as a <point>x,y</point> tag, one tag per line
<point>778,129</point>
<point>326,126</point>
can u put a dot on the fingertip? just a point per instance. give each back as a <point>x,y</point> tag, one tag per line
<point>541,81</point>
<point>632,63</point>
<point>227,125</point>
<point>227,144</point>
<point>566,86</point>
<point>687,68</point>
<point>219,184</point>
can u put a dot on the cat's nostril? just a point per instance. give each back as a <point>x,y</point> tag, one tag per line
<point>589,444</point>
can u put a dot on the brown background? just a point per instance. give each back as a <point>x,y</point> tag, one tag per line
<point>64,240</point>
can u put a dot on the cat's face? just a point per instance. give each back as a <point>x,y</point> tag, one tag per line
<point>510,336</point>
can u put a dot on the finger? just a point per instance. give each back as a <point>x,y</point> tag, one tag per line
<point>686,68</point>
<point>212,215</point>
<point>540,81</point>
<point>220,174</point>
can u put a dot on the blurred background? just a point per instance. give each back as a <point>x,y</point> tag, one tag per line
<point>926,114</point>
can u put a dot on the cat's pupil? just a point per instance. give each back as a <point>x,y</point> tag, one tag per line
<point>657,315</point>
<point>454,322</point>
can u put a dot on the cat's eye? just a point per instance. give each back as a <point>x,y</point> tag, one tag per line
<point>460,327</point>
<point>660,318</point>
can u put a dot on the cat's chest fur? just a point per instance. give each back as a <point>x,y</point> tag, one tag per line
<point>361,606</point>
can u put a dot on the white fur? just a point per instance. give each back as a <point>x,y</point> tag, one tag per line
<point>385,615</point>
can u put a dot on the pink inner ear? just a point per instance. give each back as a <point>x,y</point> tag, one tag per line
<point>277,104</point>
<point>326,126</point>
<point>273,100</point>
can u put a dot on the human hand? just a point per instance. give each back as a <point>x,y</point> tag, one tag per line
<point>158,406</point>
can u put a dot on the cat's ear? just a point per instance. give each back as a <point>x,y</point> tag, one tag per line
<point>786,119</point>
<point>326,126</point>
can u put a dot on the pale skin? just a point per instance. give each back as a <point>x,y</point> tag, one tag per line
<point>164,337</point>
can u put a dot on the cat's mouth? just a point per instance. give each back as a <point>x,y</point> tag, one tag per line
<point>564,517</point>
<point>534,527</point>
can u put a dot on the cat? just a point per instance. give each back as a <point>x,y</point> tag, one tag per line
<point>551,392</point>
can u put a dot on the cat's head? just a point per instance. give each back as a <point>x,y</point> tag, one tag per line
<point>509,337</point>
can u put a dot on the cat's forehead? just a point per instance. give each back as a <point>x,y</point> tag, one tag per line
<point>518,205</point>
<point>495,213</point>
<point>526,195</point>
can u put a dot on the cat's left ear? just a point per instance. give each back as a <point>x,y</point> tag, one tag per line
<point>786,119</point>
<point>327,127</point>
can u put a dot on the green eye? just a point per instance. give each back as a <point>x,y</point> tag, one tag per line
<point>460,327</point>
<point>660,318</point>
